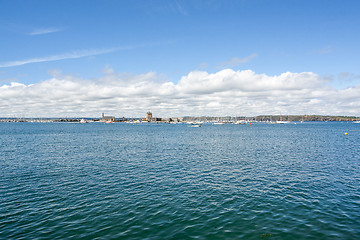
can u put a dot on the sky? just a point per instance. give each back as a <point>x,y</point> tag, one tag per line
<point>179,58</point>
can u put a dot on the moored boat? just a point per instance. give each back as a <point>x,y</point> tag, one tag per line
<point>83,121</point>
<point>282,122</point>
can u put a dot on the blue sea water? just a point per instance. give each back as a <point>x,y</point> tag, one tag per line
<point>164,181</point>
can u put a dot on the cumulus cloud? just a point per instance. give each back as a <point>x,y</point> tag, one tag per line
<point>245,81</point>
<point>226,92</point>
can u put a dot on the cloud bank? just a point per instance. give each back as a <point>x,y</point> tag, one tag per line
<point>224,93</point>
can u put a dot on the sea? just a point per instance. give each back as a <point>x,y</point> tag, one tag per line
<point>175,181</point>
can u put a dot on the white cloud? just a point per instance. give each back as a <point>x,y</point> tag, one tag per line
<point>41,31</point>
<point>226,92</point>
<point>245,81</point>
<point>78,54</point>
<point>72,55</point>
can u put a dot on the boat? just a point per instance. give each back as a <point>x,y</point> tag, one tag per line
<point>282,122</point>
<point>83,121</point>
<point>241,122</point>
<point>356,120</point>
<point>196,124</point>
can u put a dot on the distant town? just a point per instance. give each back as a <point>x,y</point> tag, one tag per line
<point>149,118</point>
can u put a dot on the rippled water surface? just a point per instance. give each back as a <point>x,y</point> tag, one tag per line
<point>162,181</point>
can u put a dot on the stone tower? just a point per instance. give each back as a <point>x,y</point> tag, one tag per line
<point>148,116</point>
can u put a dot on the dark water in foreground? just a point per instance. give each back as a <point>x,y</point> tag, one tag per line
<point>159,181</point>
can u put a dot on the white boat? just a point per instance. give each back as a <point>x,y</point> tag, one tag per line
<point>282,122</point>
<point>196,124</point>
<point>83,121</point>
<point>241,122</point>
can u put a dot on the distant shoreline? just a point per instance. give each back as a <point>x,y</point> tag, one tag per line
<point>260,118</point>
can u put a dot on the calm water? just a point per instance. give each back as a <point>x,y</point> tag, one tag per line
<point>159,181</point>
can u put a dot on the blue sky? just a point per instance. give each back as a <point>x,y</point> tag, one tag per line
<point>175,38</point>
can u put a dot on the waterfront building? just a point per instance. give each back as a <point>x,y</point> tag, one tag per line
<point>149,116</point>
<point>107,118</point>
